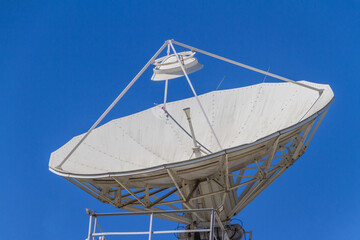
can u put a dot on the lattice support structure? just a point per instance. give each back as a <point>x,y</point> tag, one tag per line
<point>236,179</point>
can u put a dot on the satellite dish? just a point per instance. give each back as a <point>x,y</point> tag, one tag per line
<point>216,150</point>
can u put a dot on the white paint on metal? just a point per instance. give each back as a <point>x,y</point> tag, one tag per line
<point>168,67</point>
<point>142,140</point>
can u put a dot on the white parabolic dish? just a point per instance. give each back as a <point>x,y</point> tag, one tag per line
<point>148,161</point>
<point>149,138</point>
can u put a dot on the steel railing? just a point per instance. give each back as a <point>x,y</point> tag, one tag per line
<point>94,225</point>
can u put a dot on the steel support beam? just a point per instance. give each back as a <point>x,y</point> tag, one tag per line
<point>113,104</point>
<point>246,66</point>
<point>132,194</point>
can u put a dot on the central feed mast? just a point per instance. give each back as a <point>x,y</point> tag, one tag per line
<point>196,148</point>
<point>174,66</point>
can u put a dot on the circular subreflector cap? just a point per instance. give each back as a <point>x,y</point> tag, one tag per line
<point>168,67</point>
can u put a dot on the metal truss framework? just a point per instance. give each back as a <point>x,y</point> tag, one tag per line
<point>228,189</point>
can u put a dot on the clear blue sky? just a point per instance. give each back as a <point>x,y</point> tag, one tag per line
<point>63,62</point>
